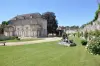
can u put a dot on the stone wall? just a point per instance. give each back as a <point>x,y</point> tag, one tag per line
<point>93,27</point>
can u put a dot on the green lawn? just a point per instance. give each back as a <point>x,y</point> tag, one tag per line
<point>47,54</point>
<point>21,40</point>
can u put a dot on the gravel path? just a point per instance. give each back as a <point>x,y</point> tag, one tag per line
<point>32,42</point>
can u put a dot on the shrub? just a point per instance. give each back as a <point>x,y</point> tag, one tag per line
<point>72,44</point>
<point>97,33</point>
<point>71,41</point>
<point>84,42</point>
<point>86,35</point>
<point>18,38</point>
<point>12,37</point>
<point>94,46</point>
<point>3,38</point>
<point>15,37</point>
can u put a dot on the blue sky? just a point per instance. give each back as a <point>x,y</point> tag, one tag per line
<point>68,12</point>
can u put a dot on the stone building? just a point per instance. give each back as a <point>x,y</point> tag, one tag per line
<point>27,25</point>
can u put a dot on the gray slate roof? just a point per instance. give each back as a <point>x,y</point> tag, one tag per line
<point>27,16</point>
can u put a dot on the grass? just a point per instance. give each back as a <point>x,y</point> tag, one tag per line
<point>47,54</point>
<point>22,40</point>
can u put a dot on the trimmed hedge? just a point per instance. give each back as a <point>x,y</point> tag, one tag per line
<point>84,42</point>
<point>3,38</point>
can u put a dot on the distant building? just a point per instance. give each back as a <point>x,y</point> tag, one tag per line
<point>67,29</point>
<point>71,31</point>
<point>27,25</point>
<point>60,30</point>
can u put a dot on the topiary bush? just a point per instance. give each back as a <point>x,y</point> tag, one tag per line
<point>84,42</point>
<point>94,46</point>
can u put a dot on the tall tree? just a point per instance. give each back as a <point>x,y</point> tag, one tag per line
<point>52,23</point>
<point>3,25</point>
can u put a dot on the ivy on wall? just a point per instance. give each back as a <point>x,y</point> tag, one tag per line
<point>95,18</point>
<point>96,14</point>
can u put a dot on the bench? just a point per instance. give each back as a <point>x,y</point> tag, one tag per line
<point>3,43</point>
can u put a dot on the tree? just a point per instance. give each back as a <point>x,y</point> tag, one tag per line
<point>52,23</point>
<point>3,25</point>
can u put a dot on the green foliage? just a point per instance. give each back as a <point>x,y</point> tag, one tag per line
<point>3,38</point>
<point>3,25</point>
<point>97,33</point>
<point>91,33</point>
<point>52,23</point>
<point>14,37</point>
<point>96,14</point>
<point>95,18</point>
<point>83,25</point>
<point>18,38</point>
<point>86,35</point>
<point>94,46</point>
<point>84,42</point>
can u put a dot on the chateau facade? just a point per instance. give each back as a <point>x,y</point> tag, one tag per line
<point>27,25</point>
